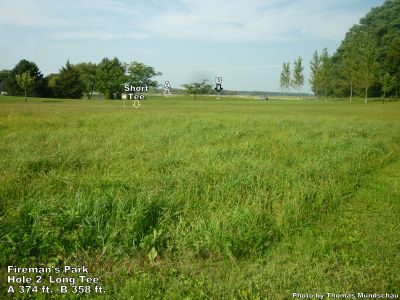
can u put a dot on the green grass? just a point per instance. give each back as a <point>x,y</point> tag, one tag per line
<point>204,199</point>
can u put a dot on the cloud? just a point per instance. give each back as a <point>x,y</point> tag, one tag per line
<point>94,35</point>
<point>112,7</point>
<point>251,20</point>
<point>209,20</point>
<point>28,13</point>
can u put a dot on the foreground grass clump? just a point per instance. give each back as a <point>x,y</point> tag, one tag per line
<point>180,186</point>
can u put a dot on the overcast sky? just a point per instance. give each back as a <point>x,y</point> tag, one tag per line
<point>243,41</point>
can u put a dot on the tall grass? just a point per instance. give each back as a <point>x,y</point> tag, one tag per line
<point>193,179</point>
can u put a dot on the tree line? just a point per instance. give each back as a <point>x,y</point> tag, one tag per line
<point>73,81</point>
<point>366,63</point>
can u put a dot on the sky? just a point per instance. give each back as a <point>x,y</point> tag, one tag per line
<point>243,41</point>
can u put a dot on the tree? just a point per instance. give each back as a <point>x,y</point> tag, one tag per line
<point>139,74</point>
<point>198,88</point>
<point>382,24</point>
<point>25,81</point>
<point>392,64</point>
<point>87,72</point>
<point>68,83</point>
<point>338,85</point>
<point>285,77</point>
<point>39,87</point>
<point>110,77</point>
<point>326,71</point>
<point>315,66</point>
<point>3,79</point>
<point>298,76</point>
<point>368,64</point>
<point>350,63</point>
<point>388,82</point>
<point>51,84</point>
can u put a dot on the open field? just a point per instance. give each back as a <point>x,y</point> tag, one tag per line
<point>204,199</point>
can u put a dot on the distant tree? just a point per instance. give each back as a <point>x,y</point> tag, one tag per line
<point>338,85</point>
<point>315,66</point>
<point>388,82</point>
<point>51,84</point>
<point>110,77</point>
<point>325,72</point>
<point>392,64</point>
<point>198,88</point>
<point>350,64</point>
<point>87,72</point>
<point>139,74</point>
<point>3,79</point>
<point>25,81</point>
<point>68,83</point>
<point>368,64</point>
<point>39,87</point>
<point>298,77</point>
<point>285,77</point>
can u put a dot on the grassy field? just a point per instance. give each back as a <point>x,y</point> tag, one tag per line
<point>204,199</point>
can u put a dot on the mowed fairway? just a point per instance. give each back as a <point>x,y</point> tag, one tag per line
<point>204,199</point>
